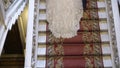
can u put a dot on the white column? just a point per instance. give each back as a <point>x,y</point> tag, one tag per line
<point>28,54</point>
<point>116,22</point>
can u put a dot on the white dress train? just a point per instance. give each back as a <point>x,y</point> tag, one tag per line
<point>63,17</point>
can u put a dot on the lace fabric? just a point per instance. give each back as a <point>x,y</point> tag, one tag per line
<point>63,17</point>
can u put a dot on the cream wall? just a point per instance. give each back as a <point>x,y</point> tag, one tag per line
<point>22,24</point>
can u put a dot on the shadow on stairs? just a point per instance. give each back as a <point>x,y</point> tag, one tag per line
<point>12,61</point>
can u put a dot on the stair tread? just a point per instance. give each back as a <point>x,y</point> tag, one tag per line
<point>102,14</point>
<point>105,49</point>
<point>11,55</point>
<point>42,17</point>
<point>101,4</point>
<point>103,26</point>
<point>16,59</point>
<point>107,62</point>
<point>104,37</point>
<point>42,6</point>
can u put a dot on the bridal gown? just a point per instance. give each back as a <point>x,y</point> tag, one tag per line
<point>63,17</point>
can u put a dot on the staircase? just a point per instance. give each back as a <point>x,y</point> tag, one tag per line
<point>11,10</point>
<point>12,54</point>
<point>40,37</point>
<point>12,61</point>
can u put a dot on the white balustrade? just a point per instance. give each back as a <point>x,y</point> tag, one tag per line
<point>9,17</point>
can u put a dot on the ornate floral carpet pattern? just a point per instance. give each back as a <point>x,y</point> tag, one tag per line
<point>81,51</point>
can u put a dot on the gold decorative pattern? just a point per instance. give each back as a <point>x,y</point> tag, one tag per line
<point>87,49</point>
<point>91,37</point>
<point>89,25</point>
<point>50,62</point>
<point>89,62</point>
<point>52,39</point>
<point>55,50</point>
<point>55,45</point>
<point>55,62</point>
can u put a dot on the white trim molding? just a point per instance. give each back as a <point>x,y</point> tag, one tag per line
<point>114,30</point>
<point>116,17</point>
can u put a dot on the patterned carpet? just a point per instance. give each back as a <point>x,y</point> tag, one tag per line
<point>82,51</point>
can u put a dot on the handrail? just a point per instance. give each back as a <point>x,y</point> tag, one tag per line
<point>29,38</point>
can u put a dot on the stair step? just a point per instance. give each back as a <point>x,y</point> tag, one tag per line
<point>41,51</point>
<point>42,27</point>
<point>42,39</point>
<point>42,17</point>
<point>106,49</point>
<point>101,4</point>
<point>41,62</point>
<point>107,62</point>
<point>42,6</point>
<point>17,60</point>
<point>102,14</point>
<point>104,37</point>
<point>11,56</point>
<point>11,66</point>
<point>103,26</point>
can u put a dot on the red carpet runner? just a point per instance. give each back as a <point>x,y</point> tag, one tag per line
<point>82,51</point>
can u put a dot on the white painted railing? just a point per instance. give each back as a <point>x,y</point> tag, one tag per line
<point>9,19</point>
<point>11,15</point>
